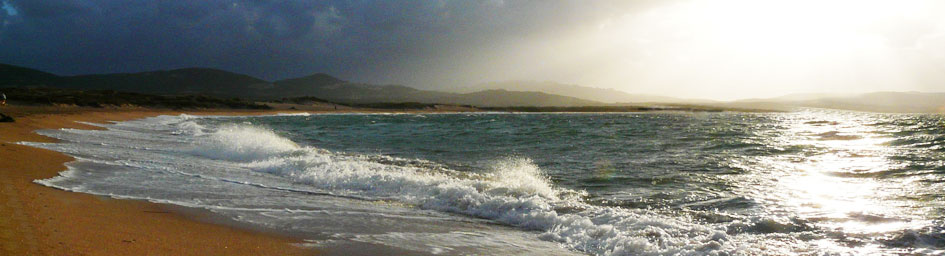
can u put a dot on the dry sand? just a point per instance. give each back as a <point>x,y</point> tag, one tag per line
<point>38,220</point>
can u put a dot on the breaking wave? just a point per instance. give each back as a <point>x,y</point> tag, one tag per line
<point>513,192</point>
<point>215,162</point>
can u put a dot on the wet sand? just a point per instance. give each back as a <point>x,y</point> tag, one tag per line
<point>39,220</point>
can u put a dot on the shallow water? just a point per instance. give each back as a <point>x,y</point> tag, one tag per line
<point>808,182</point>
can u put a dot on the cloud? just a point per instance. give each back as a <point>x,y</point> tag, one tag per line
<point>387,41</point>
<point>667,47</point>
<point>49,8</point>
<point>8,9</point>
<point>73,36</point>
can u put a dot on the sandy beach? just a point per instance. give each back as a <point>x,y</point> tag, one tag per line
<point>39,220</point>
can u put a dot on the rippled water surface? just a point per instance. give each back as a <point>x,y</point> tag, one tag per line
<point>808,182</point>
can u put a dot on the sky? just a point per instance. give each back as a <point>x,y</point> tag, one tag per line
<point>721,49</point>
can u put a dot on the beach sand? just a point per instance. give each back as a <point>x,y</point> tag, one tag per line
<point>39,220</point>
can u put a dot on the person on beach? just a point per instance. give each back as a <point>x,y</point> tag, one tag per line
<point>3,102</point>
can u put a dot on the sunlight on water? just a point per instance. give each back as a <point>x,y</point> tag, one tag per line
<point>813,182</point>
<point>833,188</point>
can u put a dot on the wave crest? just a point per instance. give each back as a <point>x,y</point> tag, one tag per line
<point>244,143</point>
<point>514,192</point>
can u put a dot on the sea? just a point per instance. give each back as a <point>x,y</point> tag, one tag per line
<point>808,182</point>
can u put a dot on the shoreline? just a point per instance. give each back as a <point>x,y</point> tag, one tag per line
<point>47,221</point>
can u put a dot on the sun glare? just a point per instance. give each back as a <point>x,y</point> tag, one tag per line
<point>821,188</point>
<point>789,28</point>
<point>785,45</point>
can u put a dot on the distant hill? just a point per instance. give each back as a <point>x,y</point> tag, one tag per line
<point>302,83</point>
<point>205,81</point>
<point>14,75</point>
<point>501,98</point>
<point>891,102</point>
<point>220,83</point>
<point>330,88</point>
<point>799,97</point>
<point>588,93</point>
<point>896,102</point>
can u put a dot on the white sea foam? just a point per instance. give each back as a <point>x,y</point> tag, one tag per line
<point>243,143</point>
<point>189,128</point>
<point>294,114</point>
<point>514,192</point>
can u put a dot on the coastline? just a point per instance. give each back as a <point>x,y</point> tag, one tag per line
<point>47,221</point>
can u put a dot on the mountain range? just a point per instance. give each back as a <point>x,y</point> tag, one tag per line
<point>891,102</point>
<point>220,83</point>
<point>605,95</point>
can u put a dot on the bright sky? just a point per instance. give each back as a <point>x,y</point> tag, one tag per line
<point>731,49</point>
<point>719,49</point>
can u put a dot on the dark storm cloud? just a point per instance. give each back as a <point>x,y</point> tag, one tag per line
<point>373,41</point>
<point>654,46</point>
<point>126,36</point>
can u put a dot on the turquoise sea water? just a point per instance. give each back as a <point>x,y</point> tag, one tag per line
<point>807,182</point>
